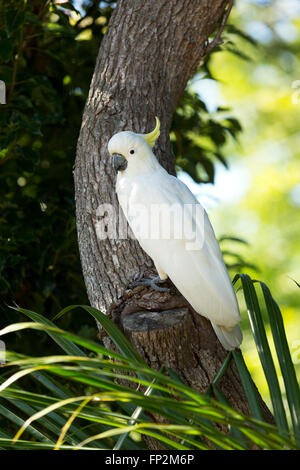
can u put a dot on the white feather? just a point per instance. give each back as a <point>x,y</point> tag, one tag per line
<point>199,274</point>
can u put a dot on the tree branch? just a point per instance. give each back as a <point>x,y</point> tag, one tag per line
<point>217,41</point>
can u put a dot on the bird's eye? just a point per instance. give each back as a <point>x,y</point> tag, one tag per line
<point>131,151</point>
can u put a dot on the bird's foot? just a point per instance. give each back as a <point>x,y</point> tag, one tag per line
<point>151,283</point>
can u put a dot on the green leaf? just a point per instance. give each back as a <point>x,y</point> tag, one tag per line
<point>233,239</point>
<point>6,49</point>
<point>14,418</point>
<point>264,352</point>
<point>115,334</point>
<point>284,358</point>
<point>135,415</point>
<point>248,385</point>
<point>65,344</point>
<point>30,445</point>
<point>14,19</point>
<point>234,432</point>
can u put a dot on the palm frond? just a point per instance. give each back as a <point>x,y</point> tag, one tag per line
<point>85,404</point>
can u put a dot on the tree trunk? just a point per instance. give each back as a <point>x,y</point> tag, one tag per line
<point>148,54</point>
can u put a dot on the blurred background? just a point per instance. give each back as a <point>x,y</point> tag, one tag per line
<point>236,139</point>
<point>258,198</point>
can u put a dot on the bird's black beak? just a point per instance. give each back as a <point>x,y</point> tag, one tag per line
<point>119,162</point>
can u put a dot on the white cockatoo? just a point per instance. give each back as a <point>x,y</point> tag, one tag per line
<point>174,230</point>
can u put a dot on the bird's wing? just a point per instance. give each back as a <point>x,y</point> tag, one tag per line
<point>194,218</point>
<point>196,267</point>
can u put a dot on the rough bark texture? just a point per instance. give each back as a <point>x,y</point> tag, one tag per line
<point>148,54</point>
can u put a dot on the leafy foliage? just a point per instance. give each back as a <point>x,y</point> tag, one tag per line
<point>43,55</point>
<point>100,413</point>
<point>47,55</point>
<point>194,154</point>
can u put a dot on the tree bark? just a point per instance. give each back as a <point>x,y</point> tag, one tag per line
<point>149,52</point>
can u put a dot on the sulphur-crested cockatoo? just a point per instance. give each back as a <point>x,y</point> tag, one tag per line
<point>174,230</point>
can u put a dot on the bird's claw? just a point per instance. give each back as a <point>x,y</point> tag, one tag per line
<point>151,283</point>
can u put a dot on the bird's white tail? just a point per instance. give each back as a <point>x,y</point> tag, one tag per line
<point>230,338</point>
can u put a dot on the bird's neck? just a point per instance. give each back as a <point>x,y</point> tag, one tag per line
<point>141,167</point>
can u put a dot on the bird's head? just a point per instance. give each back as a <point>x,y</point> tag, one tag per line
<point>132,152</point>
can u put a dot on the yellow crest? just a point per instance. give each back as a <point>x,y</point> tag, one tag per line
<point>152,136</point>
